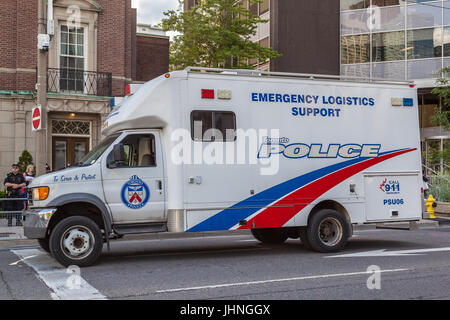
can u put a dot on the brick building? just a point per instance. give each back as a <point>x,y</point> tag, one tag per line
<point>94,54</point>
<point>152,52</point>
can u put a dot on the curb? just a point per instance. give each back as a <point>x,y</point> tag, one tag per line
<point>12,243</point>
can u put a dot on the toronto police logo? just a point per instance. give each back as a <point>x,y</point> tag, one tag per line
<point>135,193</point>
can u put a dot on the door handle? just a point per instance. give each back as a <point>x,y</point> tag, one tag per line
<point>159,184</point>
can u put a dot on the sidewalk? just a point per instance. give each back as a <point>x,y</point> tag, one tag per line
<point>11,233</point>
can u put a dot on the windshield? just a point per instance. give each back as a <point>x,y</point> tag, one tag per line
<point>95,153</point>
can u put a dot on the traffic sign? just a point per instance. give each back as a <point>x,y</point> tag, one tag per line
<point>36,118</point>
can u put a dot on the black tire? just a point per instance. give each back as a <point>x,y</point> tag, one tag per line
<point>79,234</point>
<point>328,231</point>
<point>45,245</point>
<point>304,238</point>
<point>270,236</point>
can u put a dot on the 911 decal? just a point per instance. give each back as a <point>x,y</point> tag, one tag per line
<point>391,187</point>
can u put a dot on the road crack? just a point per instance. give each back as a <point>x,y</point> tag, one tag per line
<point>8,288</point>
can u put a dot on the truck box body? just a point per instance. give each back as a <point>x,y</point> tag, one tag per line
<point>300,142</point>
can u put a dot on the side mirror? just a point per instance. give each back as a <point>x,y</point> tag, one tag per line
<point>119,153</point>
<point>117,157</point>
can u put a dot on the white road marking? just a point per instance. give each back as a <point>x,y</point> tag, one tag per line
<point>384,253</point>
<point>57,277</point>
<point>324,276</point>
<point>21,260</point>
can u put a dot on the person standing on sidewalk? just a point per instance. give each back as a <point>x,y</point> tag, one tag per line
<point>14,182</point>
<point>29,175</point>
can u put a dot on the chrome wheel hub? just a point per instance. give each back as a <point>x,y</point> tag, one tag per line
<point>330,231</point>
<point>77,242</point>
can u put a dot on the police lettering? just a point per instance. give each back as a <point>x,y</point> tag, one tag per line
<point>301,150</point>
<point>391,202</point>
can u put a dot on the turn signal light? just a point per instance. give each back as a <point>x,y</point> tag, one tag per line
<point>40,193</point>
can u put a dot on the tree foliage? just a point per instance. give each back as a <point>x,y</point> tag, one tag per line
<point>442,114</point>
<point>215,34</point>
<point>24,160</point>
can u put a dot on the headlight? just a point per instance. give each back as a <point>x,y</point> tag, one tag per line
<point>40,193</point>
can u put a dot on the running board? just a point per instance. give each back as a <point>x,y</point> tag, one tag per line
<point>140,228</point>
<point>412,225</point>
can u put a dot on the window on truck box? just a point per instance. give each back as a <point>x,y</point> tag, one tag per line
<point>211,126</point>
<point>140,151</point>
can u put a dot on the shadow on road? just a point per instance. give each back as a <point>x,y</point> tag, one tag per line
<point>125,252</point>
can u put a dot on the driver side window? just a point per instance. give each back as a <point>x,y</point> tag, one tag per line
<point>140,151</point>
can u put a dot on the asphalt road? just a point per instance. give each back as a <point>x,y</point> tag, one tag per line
<point>413,265</point>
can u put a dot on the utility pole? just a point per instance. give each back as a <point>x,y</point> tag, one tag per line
<point>41,88</point>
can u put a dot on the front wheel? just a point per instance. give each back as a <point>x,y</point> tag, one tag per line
<point>328,231</point>
<point>45,245</point>
<point>76,241</point>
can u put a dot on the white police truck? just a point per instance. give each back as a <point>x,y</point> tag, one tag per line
<point>284,155</point>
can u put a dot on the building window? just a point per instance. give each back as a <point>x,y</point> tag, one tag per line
<point>265,42</point>
<point>384,3</point>
<point>264,6</point>
<point>72,59</point>
<point>446,5</point>
<point>424,43</point>
<point>447,41</point>
<point>421,16</point>
<point>355,49</point>
<point>71,127</point>
<point>211,126</point>
<point>389,46</point>
<point>253,8</point>
<point>354,4</point>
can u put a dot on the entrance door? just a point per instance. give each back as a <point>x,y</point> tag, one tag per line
<point>68,151</point>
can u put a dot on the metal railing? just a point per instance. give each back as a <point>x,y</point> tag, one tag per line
<point>305,76</point>
<point>73,81</point>
<point>12,218</point>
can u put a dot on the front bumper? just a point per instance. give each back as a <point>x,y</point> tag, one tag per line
<point>35,222</point>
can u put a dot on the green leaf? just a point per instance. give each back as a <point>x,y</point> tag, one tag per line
<point>215,33</point>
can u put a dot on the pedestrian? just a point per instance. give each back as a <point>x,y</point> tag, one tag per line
<point>47,168</point>
<point>425,183</point>
<point>29,175</point>
<point>14,182</point>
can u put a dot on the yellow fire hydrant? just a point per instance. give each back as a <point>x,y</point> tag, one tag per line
<point>431,204</point>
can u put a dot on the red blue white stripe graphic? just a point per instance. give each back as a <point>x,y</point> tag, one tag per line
<point>275,206</point>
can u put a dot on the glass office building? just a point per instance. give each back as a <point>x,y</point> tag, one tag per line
<point>402,40</point>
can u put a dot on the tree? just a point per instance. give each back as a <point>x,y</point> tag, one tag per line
<point>25,160</point>
<point>442,113</point>
<point>215,33</point>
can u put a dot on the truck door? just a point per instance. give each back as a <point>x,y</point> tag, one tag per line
<point>135,189</point>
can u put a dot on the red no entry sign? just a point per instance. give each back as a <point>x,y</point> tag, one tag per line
<point>36,120</point>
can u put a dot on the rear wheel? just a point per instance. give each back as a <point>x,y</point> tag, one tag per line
<point>76,241</point>
<point>271,236</point>
<point>328,231</point>
<point>304,238</point>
